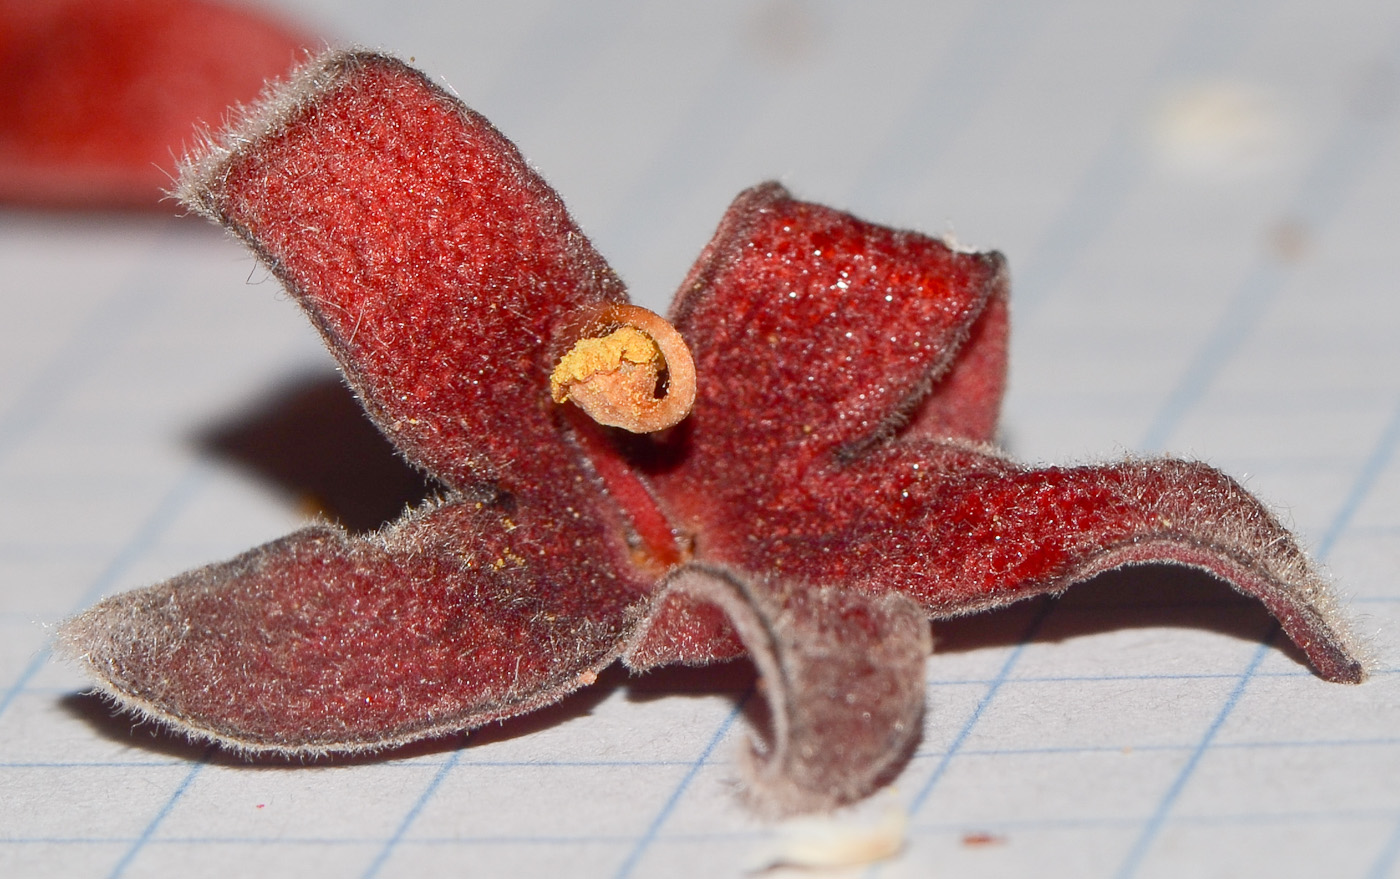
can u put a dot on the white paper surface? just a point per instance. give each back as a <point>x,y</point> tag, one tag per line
<point>1200,203</point>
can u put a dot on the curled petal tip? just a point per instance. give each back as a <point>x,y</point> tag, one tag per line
<point>842,672</point>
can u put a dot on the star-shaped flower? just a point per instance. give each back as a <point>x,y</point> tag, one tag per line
<point>832,489</point>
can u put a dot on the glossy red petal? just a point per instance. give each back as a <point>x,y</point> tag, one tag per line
<point>458,615</point>
<point>815,333</point>
<point>962,530</point>
<point>443,273</point>
<point>843,675</point>
<point>102,96</point>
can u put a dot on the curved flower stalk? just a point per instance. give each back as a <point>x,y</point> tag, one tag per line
<point>832,488</point>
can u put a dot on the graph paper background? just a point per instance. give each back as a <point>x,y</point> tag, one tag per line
<point>1201,207</point>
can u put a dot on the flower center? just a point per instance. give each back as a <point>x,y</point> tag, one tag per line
<point>631,370</point>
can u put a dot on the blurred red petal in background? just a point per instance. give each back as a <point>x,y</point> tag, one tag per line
<point>100,98</point>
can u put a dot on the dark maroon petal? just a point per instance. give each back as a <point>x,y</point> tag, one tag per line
<point>966,401</point>
<point>961,530</point>
<point>817,334</point>
<point>843,675</point>
<point>681,627</point>
<point>443,273</point>
<point>101,97</point>
<point>816,331</point>
<point>460,614</point>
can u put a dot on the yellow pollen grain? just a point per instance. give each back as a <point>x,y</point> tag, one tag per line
<point>603,356</point>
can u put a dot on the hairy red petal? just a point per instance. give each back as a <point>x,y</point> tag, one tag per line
<point>443,273</point>
<point>455,616</point>
<point>843,675</point>
<point>101,96</point>
<point>962,530</point>
<point>966,402</point>
<point>681,627</point>
<point>815,333</point>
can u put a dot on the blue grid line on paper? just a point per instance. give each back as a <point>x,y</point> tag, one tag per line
<point>1333,173</point>
<point>1164,806</point>
<point>121,866</point>
<point>683,161</point>
<point>1335,170</point>
<point>1304,817</point>
<point>1365,481</point>
<point>1217,31</point>
<point>88,345</point>
<point>165,514</point>
<point>924,755</point>
<point>1384,865</point>
<point>993,687</point>
<point>562,38</point>
<point>649,835</point>
<point>412,815</point>
<point>957,86</point>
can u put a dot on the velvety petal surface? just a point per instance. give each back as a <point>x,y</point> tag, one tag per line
<point>965,402</point>
<point>960,529</point>
<point>842,674</point>
<point>844,371</point>
<point>463,613</point>
<point>816,332</point>
<point>816,335</point>
<point>444,274</point>
<point>102,96</point>
<point>446,277</point>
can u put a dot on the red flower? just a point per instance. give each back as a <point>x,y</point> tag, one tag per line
<point>832,488</point>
